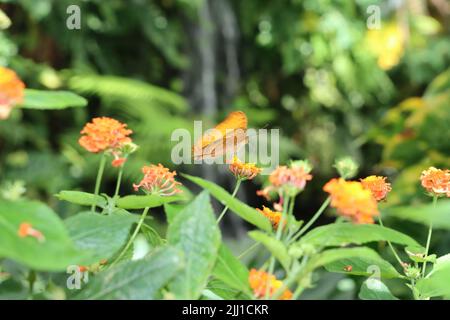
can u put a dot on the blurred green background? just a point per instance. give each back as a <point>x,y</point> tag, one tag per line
<point>312,68</point>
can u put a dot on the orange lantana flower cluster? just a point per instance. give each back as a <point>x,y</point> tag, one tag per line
<point>11,91</point>
<point>261,281</point>
<point>106,135</point>
<point>377,185</point>
<point>243,171</point>
<point>273,216</point>
<point>158,180</point>
<point>352,200</point>
<point>436,181</point>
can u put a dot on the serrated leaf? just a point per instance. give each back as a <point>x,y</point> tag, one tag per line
<point>134,280</point>
<point>101,235</point>
<point>81,198</point>
<point>55,253</point>
<point>276,247</point>
<point>246,212</point>
<point>374,289</point>
<point>194,231</point>
<point>348,233</point>
<point>47,100</point>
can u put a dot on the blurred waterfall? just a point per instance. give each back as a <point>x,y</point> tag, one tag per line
<point>212,80</point>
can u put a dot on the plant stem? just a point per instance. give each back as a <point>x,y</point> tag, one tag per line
<point>98,181</point>
<point>278,236</point>
<point>119,180</point>
<point>391,246</point>
<point>253,246</point>
<point>236,188</point>
<point>133,236</point>
<point>430,231</point>
<point>313,219</point>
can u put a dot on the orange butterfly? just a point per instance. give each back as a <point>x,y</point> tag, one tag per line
<point>225,138</point>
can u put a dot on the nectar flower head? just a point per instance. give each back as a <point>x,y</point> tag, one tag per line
<point>352,200</point>
<point>11,91</point>
<point>158,180</point>
<point>273,216</point>
<point>288,181</point>
<point>26,230</point>
<point>104,134</point>
<point>377,185</point>
<point>436,181</point>
<point>261,281</point>
<point>346,167</point>
<point>243,171</point>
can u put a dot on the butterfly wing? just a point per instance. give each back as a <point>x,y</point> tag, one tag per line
<point>227,136</point>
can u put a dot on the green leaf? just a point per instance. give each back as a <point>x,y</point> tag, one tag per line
<point>194,230</point>
<point>172,210</point>
<point>224,291</point>
<point>150,201</point>
<point>47,100</point>
<point>436,283</point>
<point>102,235</point>
<point>276,247</point>
<point>374,289</point>
<point>134,280</point>
<point>439,215</point>
<point>338,234</point>
<point>81,198</point>
<point>55,253</point>
<point>328,256</point>
<point>241,209</point>
<point>362,266</point>
<point>231,271</point>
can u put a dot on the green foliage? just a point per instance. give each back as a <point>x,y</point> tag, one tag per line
<point>241,209</point>
<point>147,201</point>
<point>101,235</point>
<point>200,244</point>
<point>54,253</point>
<point>362,266</point>
<point>348,233</point>
<point>50,100</point>
<point>81,198</point>
<point>373,289</point>
<point>275,247</point>
<point>135,279</point>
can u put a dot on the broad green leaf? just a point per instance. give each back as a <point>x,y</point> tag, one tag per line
<point>374,289</point>
<point>81,198</point>
<point>231,271</point>
<point>338,234</point>
<point>194,230</point>
<point>437,282</point>
<point>55,253</point>
<point>150,201</point>
<point>101,235</point>
<point>241,209</point>
<point>172,210</point>
<point>276,247</point>
<point>134,280</point>
<point>439,215</point>
<point>363,266</point>
<point>418,254</point>
<point>328,256</point>
<point>151,235</point>
<point>47,100</point>
<point>225,292</point>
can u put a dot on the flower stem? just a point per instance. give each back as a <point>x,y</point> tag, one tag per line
<point>119,180</point>
<point>391,246</point>
<point>430,231</point>
<point>313,219</point>
<point>133,236</point>
<point>236,188</point>
<point>98,181</point>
